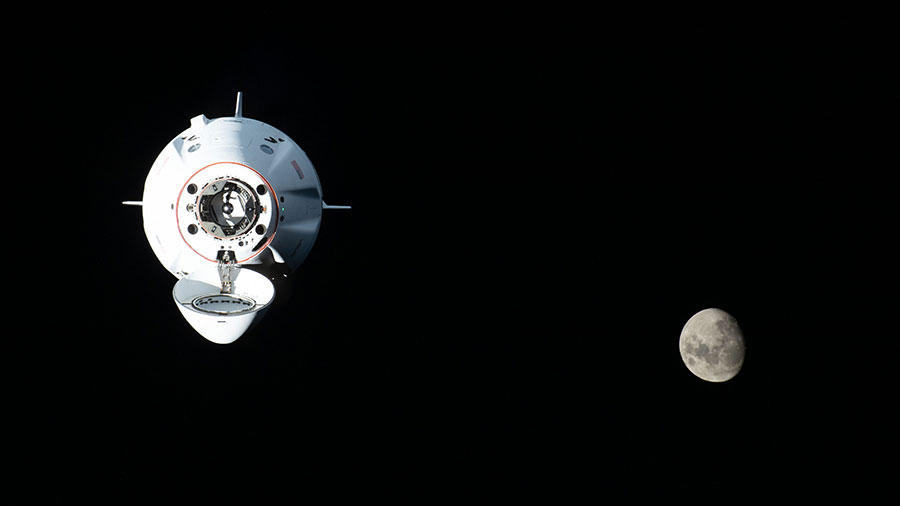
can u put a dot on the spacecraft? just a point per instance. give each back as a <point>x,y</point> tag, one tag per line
<point>230,206</point>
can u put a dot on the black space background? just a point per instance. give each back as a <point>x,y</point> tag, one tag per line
<point>540,202</point>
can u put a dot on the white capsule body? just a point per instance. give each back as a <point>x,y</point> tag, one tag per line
<point>232,187</point>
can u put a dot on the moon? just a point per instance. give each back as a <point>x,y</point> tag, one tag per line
<point>712,345</point>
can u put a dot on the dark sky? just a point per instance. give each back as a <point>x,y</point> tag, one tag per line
<point>539,205</point>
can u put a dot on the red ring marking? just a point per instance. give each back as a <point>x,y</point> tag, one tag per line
<point>178,204</point>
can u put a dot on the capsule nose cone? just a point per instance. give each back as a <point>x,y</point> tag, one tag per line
<point>223,317</point>
<point>218,328</point>
<point>223,333</point>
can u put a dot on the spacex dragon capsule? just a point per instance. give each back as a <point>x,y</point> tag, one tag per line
<point>230,205</point>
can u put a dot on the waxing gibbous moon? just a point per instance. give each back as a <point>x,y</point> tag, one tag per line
<point>712,345</point>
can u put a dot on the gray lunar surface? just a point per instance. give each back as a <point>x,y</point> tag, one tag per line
<point>712,345</point>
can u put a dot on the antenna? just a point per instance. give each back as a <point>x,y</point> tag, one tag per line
<point>239,107</point>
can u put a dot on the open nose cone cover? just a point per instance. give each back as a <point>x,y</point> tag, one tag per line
<point>222,318</point>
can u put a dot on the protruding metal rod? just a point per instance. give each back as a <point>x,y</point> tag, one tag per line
<point>239,107</point>
<point>226,268</point>
<point>132,203</point>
